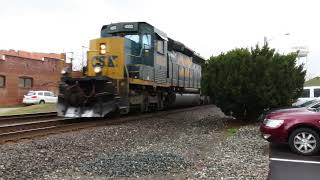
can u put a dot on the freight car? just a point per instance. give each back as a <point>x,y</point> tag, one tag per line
<point>132,66</point>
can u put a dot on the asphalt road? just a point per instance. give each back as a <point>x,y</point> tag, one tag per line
<point>285,165</point>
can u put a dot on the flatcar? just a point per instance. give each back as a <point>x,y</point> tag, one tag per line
<point>132,66</point>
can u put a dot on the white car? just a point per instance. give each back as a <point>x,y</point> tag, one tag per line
<point>39,97</point>
<point>309,93</point>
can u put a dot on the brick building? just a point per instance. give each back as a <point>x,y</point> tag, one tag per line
<point>22,71</point>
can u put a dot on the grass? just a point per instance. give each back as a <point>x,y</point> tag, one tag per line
<point>39,108</point>
<point>232,131</point>
<point>11,106</point>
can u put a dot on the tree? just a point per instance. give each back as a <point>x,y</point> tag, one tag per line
<point>244,82</point>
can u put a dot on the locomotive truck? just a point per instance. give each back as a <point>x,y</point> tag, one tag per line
<point>132,66</point>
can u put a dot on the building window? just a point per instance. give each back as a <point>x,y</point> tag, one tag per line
<point>2,81</point>
<point>306,93</point>
<point>25,82</point>
<point>316,92</point>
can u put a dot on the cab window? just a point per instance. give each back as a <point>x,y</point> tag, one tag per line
<point>146,41</point>
<point>160,46</point>
<point>133,37</point>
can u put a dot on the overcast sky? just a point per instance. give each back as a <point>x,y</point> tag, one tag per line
<point>207,26</point>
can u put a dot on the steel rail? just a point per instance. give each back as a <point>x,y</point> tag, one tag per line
<point>24,116</point>
<point>43,127</point>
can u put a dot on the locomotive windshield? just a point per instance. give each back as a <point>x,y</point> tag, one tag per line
<point>133,37</point>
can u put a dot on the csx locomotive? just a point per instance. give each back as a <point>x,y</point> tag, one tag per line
<point>132,66</point>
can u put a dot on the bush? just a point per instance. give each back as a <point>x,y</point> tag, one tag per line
<point>244,82</point>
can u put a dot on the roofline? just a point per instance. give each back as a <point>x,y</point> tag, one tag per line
<point>162,35</point>
<point>10,55</point>
<point>311,87</point>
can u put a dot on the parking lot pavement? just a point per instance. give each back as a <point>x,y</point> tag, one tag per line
<point>286,165</point>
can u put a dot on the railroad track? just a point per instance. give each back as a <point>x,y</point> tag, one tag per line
<point>26,117</point>
<point>15,128</point>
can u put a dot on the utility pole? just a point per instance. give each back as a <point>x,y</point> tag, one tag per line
<point>83,55</point>
<point>71,58</point>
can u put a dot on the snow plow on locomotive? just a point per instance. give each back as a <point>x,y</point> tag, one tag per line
<point>131,66</point>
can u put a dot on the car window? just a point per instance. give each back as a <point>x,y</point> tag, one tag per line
<point>47,94</point>
<point>31,93</point>
<point>40,93</point>
<point>317,109</point>
<point>316,92</point>
<point>306,93</point>
<point>316,106</point>
<point>51,94</point>
<point>307,103</point>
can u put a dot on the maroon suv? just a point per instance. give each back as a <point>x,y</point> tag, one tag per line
<point>299,127</point>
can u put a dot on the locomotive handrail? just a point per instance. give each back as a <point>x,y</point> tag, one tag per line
<point>140,54</point>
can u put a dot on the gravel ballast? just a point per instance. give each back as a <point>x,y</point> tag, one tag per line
<point>194,144</point>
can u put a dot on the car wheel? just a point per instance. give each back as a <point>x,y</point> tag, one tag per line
<point>304,141</point>
<point>42,102</point>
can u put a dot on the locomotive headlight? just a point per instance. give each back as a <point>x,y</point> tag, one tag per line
<point>103,46</point>
<point>103,49</point>
<point>97,69</point>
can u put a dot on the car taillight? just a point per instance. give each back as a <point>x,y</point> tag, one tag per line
<point>33,97</point>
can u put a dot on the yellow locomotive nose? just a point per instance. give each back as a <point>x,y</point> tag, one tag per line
<point>106,57</point>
